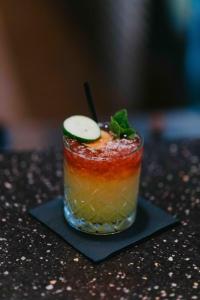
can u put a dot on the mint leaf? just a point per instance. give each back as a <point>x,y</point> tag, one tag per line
<point>122,118</point>
<point>129,131</point>
<point>120,126</point>
<point>114,127</point>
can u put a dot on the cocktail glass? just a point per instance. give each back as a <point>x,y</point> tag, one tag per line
<point>101,191</point>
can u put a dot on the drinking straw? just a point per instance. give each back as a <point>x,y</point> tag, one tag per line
<point>90,101</point>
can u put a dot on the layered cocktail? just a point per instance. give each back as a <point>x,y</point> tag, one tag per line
<point>101,180</point>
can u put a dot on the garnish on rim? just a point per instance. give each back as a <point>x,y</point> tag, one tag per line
<point>120,126</point>
<point>105,138</point>
<point>81,128</point>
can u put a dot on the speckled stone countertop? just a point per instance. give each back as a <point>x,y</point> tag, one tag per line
<point>36,264</point>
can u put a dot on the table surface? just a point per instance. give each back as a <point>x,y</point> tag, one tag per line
<point>36,264</point>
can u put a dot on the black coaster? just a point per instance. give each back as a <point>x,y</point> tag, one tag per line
<point>150,219</point>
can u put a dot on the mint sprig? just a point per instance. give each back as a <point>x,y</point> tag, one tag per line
<point>120,126</point>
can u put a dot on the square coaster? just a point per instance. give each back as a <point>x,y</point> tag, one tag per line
<point>149,220</point>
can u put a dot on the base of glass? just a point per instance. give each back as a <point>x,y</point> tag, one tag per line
<point>95,228</point>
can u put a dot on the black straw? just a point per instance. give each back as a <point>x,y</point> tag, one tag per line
<point>90,101</point>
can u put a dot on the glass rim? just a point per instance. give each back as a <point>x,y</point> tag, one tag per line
<point>138,148</point>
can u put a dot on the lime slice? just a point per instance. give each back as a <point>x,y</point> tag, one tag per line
<point>81,128</point>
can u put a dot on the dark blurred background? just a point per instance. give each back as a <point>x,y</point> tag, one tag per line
<point>140,54</point>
